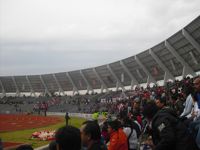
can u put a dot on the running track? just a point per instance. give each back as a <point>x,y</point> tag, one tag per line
<point>10,122</point>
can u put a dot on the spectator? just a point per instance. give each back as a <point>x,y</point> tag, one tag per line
<point>24,147</point>
<point>178,105</point>
<point>136,110</point>
<point>52,145</point>
<point>160,102</point>
<point>190,107</point>
<point>197,90</point>
<point>188,103</point>
<point>131,134</point>
<point>195,125</point>
<point>68,138</point>
<point>118,139</point>
<point>1,144</point>
<point>104,132</point>
<point>136,106</point>
<point>167,131</point>
<point>91,136</point>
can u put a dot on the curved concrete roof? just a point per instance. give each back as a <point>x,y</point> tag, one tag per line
<point>178,55</point>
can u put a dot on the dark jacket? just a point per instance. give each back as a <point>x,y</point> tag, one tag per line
<point>97,146</point>
<point>169,133</point>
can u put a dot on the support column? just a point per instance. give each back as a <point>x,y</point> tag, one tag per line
<point>133,80</point>
<point>17,89</point>
<point>89,87</point>
<point>30,86</point>
<point>149,76</point>
<point>119,84</point>
<point>139,73</point>
<point>172,64</point>
<point>168,74</point>
<point>191,40</point>
<point>46,89</point>
<point>193,58</point>
<point>3,89</point>
<point>186,68</point>
<point>103,85</point>
<point>59,86</point>
<point>75,89</point>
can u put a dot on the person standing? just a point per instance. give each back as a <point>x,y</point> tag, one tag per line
<point>195,125</point>
<point>68,138</point>
<point>45,108</point>
<point>118,139</point>
<point>131,133</point>
<point>1,144</point>
<point>168,132</point>
<point>67,118</point>
<point>91,136</point>
<point>160,102</point>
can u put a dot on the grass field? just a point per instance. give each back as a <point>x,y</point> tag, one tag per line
<point>23,136</point>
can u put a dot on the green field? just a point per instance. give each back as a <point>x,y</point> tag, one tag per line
<point>24,136</point>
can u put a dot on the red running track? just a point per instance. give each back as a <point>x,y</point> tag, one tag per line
<point>10,122</point>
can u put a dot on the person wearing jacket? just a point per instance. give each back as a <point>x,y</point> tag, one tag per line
<point>195,125</point>
<point>168,132</point>
<point>91,136</point>
<point>118,139</point>
<point>188,102</point>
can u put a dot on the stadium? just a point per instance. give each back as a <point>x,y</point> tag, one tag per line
<point>44,99</point>
<point>176,56</point>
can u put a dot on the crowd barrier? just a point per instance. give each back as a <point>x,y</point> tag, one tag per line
<point>86,116</point>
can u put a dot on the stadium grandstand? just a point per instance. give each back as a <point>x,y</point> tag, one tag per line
<point>179,55</point>
<point>163,75</point>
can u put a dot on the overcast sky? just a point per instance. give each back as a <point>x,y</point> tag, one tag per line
<point>50,36</point>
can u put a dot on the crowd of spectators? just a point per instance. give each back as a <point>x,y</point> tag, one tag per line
<point>158,118</point>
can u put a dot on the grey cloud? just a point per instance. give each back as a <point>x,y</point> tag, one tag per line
<point>48,36</point>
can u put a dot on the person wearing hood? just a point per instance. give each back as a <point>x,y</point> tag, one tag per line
<point>168,132</point>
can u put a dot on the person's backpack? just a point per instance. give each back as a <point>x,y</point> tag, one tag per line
<point>132,139</point>
<point>129,138</point>
<point>137,127</point>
